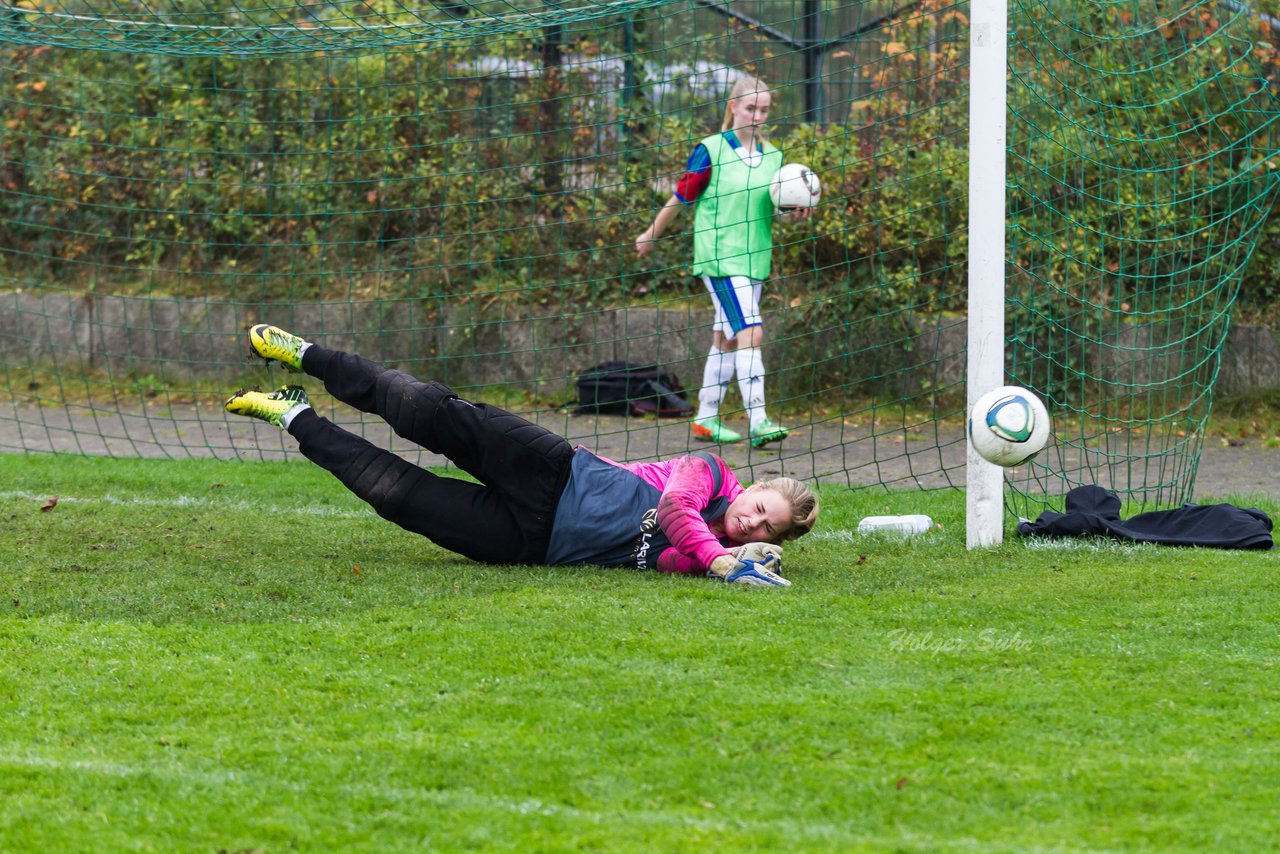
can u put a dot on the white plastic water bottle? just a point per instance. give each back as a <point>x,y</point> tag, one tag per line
<point>916,523</point>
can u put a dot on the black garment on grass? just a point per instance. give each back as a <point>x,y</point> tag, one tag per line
<point>1094,510</point>
<point>621,388</point>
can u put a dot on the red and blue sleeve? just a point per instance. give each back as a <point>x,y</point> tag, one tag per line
<point>688,490</point>
<point>697,176</point>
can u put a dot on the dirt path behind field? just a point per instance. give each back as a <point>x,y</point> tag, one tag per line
<point>833,452</point>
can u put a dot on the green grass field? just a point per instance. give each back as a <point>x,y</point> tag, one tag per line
<point>221,657</point>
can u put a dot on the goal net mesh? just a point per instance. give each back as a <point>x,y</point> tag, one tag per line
<point>456,188</point>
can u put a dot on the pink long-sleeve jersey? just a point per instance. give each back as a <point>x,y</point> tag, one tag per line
<point>688,486</point>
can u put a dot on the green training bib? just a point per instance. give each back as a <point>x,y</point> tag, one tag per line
<point>733,224</point>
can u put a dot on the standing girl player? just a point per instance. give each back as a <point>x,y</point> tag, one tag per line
<point>728,177</point>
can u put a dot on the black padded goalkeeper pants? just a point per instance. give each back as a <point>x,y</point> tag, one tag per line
<point>522,468</point>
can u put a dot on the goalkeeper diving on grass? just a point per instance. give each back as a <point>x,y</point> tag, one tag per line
<point>539,499</point>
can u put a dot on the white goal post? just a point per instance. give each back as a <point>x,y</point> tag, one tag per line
<point>988,82</point>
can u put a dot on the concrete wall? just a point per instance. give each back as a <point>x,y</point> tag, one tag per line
<point>175,339</point>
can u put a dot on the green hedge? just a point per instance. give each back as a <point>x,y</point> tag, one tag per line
<point>411,173</point>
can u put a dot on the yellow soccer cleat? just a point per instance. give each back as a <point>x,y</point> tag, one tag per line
<point>275,345</point>
<point>271,408</point>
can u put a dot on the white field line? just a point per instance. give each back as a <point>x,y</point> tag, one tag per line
<point>844,535</point>
<point>184,501</point>
<point>193,501</point>
<point>820,536</point>
<point>1090,544</point>
<point>1079,544</point>
<point>831,537</point>
<point>463,798</point>
<point>466,798</point>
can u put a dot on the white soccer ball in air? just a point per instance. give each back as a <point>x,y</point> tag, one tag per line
<point>795,186</point>
<point>1008,425</point>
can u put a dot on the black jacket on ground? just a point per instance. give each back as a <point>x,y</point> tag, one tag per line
<point>1094,510</point>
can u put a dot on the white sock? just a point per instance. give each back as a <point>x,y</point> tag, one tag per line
<point>750,366</point>
<point>715,380</point>
<point>287,418</point>
<point>303,349</point>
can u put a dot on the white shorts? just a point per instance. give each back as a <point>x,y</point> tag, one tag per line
<point>737,301</point>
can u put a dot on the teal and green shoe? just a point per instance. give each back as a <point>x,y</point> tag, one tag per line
<point>255,403</point>
<point>275,345</point>
<point>767,431</point>
<point>711,430</point>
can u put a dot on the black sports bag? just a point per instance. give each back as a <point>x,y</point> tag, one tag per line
<point>623,388</point>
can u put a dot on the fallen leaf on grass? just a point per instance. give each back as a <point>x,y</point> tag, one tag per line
<point>49,505</point>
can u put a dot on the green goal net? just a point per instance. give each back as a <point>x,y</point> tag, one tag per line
<point>456,188</point>
<point>1141,146</point>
